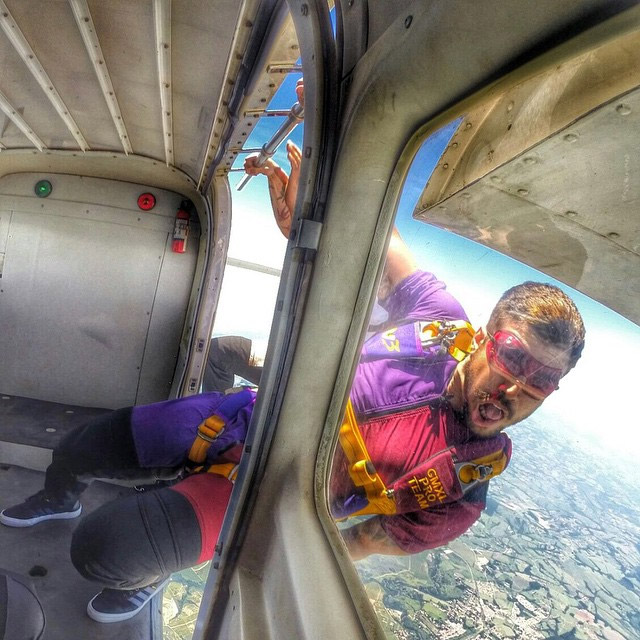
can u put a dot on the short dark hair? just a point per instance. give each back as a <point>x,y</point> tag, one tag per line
<point>547,310</point>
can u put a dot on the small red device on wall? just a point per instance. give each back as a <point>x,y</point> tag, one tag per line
<point>180,229</point>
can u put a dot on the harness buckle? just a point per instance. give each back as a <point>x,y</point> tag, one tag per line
<point>471,472</point>
<point>208,431</point>
<point>453,337</point>
<point>207,438</point>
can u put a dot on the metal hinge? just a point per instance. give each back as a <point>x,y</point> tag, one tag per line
<point>308,236</point>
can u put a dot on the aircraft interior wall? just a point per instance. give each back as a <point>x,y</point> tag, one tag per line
<point>93,298</point>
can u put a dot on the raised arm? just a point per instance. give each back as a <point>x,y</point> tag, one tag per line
<point>283,191</point>
<point>282,188</point>
<point>400,264</point>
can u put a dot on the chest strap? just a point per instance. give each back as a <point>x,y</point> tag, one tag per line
<point>443,478</point>
<point>377,498</point>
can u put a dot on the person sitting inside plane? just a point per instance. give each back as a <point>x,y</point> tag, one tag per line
<point>230,356</point>
<point>131,545</point>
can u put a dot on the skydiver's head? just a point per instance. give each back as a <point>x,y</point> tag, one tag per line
<point>534,337</point>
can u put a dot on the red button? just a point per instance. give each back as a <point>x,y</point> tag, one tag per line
<point>147,201</point>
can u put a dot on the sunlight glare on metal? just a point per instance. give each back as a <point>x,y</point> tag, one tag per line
<point>221,115</point>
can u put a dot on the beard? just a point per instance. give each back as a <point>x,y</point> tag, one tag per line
<point>471,389</point>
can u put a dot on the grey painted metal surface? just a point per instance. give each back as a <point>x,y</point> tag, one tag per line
<point>544,170</point>
<point>36,423</point>
<point>93,299</point>
<point>199,43</point>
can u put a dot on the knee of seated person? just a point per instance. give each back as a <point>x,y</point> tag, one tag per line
<point>93,555</point>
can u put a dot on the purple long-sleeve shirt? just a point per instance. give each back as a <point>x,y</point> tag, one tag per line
<point>394,373</point>
<point>395,395</point>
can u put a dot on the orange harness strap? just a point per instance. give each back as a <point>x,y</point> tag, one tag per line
<point>208,431</point>
<point>363,473</point>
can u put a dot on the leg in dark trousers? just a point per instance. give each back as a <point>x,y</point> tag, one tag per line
<point>229,356</point>
<point>138,540</point>
<point>103,448</point>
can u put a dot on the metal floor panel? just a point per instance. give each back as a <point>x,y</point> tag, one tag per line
<point>63,592</point>
<point>38,423</point>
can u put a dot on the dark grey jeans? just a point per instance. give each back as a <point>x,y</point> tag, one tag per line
<point>135,541</point>
<point>132,541</point>
<point>102,448</point>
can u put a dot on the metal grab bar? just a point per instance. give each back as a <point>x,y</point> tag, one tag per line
<point>295,117</point>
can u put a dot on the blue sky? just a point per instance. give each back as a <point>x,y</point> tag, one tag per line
<point>592,400</point>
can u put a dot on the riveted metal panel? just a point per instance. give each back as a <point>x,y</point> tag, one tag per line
<point>88,289</point>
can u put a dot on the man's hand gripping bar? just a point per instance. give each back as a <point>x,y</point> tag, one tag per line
<point>295,117</point>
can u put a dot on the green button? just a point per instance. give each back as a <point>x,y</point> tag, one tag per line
<point>43,188</point>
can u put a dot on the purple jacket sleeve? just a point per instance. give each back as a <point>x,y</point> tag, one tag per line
<point>421,296</point>
<point>232,403</point>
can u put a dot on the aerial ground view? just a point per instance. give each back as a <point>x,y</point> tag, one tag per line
<point>181,601</point>
<point>556,554</point>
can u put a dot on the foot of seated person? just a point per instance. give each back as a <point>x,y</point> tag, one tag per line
<point>115,605</point>
<point>38,508</point>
